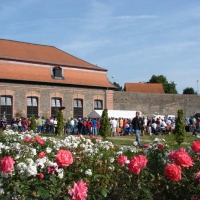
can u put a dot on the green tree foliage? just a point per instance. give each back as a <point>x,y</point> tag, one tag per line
<point>189,90</point>
<point>60,124</point>
<point>105,124</point>
<point>33,123</point>
<point>118,87</point>
<point>169,88</point>
<point>179,131</point>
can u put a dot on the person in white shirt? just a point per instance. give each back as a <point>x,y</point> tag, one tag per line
<point>72,123</point>
<point>114,124</point>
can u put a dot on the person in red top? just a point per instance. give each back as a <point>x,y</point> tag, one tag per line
<point>89,125</point>
<point>198,124</point>
<point>24,125</point>
<point>124,127</point>
<point>98,126</point>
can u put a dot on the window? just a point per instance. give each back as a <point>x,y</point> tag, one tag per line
<point>32,106</point>
<point>55,104</point>
<point>98,104</point>
<point>6,108</point>
<point>57,73</point>
<point>78,108</point>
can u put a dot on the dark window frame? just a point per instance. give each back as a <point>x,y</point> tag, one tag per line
<point>6,108</point>
<point>98,102</point>
<point>32,109</point>
<point>78,108</point>
<point>57,73</point>
<point>53,108</point>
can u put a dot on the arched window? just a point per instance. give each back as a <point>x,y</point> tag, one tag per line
<point>78,108</point>
<point>6,107</point>
<point>55,104</point>
<point>98,104</point>
<point>32,106</point>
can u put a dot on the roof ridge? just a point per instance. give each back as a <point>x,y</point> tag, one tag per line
<point>26,42</point>
<point>79,58</point>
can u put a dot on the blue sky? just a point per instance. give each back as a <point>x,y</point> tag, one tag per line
<point>133,39</point>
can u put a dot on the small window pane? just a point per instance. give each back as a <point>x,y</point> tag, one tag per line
<point>75,103</point>
<point>29,101</point>
<point>79,104</point>
<point>58,104</point>
<point>53,102</point>
<point>3,101</point>
<point>95,104</point>
<point>9,101</point>
<point>34,101</point>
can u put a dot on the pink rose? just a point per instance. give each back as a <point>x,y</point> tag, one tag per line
<point>134,165</point>
<point>181,157</point>
<point>173,172</point>
<point>196,146</point>
<point>122,159</point>
<point>79,191</point>
<point>42,154</point>
<point>27,139</point>
<point>160,146</point>
<point>79,135</point>
<point>64,158</point>
<point>91,136</point>
<point>142,161</point>
<point>7,164</point>
<point>39,140</point>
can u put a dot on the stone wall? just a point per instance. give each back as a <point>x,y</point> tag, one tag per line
<point>163,104</point>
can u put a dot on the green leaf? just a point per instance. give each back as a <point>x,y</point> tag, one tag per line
<point>104,192</point>
<point>18,189</point>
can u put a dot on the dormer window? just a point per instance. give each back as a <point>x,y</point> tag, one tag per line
<point>57,73</point>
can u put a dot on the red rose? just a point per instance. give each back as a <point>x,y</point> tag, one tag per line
<point>145,146</point>
<point>142,161</point>
<point>64,158</point>
<point>173,172</point>
<point>134,166</point>
<point>160,146</point>
<point>41,175</point>
<point>91,136</point>
<point>196,146</point>
<point>181,157</point>
<point>122,159</point>
<point>27,139</point>
<point>39,140</point>
<point>42,154</point>
<point>7,164</point>
<point>137,163</point>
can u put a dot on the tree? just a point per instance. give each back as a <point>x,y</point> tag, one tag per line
<point>60,124</point>
<point>118,87</point>
<point>189,90</point>
<point>105,124</point>
<point>33,123</point>
<point>179,131</point>
<point>169,88</point>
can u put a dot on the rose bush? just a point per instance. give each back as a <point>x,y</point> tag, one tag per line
<point>38,167</point>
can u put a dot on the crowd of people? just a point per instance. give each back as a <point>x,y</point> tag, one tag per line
<point>87,126</point>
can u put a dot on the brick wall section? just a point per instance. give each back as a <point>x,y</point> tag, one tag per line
<point>21,91</point>
<point>163,104</point>
<point>109,103</point>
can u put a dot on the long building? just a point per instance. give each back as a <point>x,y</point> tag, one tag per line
<point>38,79</point>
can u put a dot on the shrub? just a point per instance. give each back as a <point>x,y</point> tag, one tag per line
<point>180,127</point>
<point>105,124</point>
<point>33,123</point>
<point>60,124</point>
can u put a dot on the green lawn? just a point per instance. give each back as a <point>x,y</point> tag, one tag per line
<point>128,140</point>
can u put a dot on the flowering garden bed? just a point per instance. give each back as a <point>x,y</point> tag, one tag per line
<point>35,167</point>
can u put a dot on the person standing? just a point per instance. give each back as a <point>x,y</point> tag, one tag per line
<point>137,124</point>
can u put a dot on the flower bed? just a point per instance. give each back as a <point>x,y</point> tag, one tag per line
<point>35,167</point>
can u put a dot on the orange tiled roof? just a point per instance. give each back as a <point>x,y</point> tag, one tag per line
<point>144,87</point>
<point>28,72</point>
<point>35,53</point>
